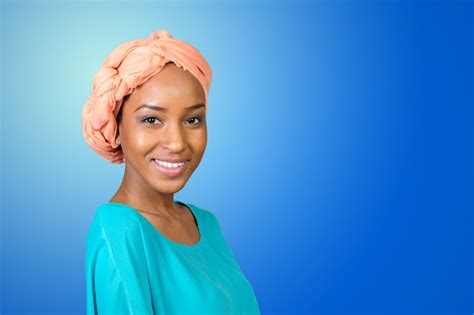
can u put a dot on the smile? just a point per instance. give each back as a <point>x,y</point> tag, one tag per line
<point>168,164</point>
<point>170,169</point>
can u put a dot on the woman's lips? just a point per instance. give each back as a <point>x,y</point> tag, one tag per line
<point>170,172</point>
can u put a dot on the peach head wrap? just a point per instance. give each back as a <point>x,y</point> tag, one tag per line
<point>126,67</point>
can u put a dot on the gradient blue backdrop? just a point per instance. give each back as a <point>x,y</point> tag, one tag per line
<point>339,161</point>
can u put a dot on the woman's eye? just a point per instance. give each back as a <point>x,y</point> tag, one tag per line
<point>150,120</point>
<point>193,119</point>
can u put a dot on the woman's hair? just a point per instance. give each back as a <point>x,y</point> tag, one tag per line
<point>119,114</point>
<point>125,68</point>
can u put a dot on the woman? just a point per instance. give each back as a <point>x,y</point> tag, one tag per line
<point>145,252</point>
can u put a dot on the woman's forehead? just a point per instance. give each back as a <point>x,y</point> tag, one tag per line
<point>170,83</point>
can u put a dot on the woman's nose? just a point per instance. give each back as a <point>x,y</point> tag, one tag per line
<point>173,138</point>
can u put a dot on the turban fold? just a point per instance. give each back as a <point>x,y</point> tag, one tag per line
<point>126,67</point>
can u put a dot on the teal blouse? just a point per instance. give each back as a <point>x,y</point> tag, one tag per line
<point>131,268</point>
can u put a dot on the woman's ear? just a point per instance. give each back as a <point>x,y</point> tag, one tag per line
<point>117,137</point>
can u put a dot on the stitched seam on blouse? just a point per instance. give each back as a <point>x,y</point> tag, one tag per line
<point>146,267</point>
<point>115,263</point>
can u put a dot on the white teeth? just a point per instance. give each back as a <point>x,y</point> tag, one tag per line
<point>169,165</point>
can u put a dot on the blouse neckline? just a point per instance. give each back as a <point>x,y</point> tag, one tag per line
<point>194,212</point>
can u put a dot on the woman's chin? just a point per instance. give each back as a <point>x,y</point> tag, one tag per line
<point>169,186</point>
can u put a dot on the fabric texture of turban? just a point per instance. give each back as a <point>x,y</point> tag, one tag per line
<point>126,67</point>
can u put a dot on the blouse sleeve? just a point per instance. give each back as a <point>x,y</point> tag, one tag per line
<point>117,277</point>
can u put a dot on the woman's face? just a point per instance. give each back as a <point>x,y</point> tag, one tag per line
<point>164,118</point>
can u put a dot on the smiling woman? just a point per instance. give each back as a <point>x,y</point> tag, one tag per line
<point>157,128</point>
<point>145,252</point>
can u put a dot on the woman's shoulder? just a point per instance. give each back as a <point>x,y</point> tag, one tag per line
<point>204,213</point>
<point>114,221</point>
<point>115,243</point>
<point>215,234</point>
<point>116,215</point>
<point>114,211</point>
<point>207,216</point>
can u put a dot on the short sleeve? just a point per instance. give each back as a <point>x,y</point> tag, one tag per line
<point>117,277</point>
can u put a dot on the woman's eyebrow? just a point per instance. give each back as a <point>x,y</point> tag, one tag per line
<point>164,109</point>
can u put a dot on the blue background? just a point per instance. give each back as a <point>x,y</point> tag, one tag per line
<point>339,161</point>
